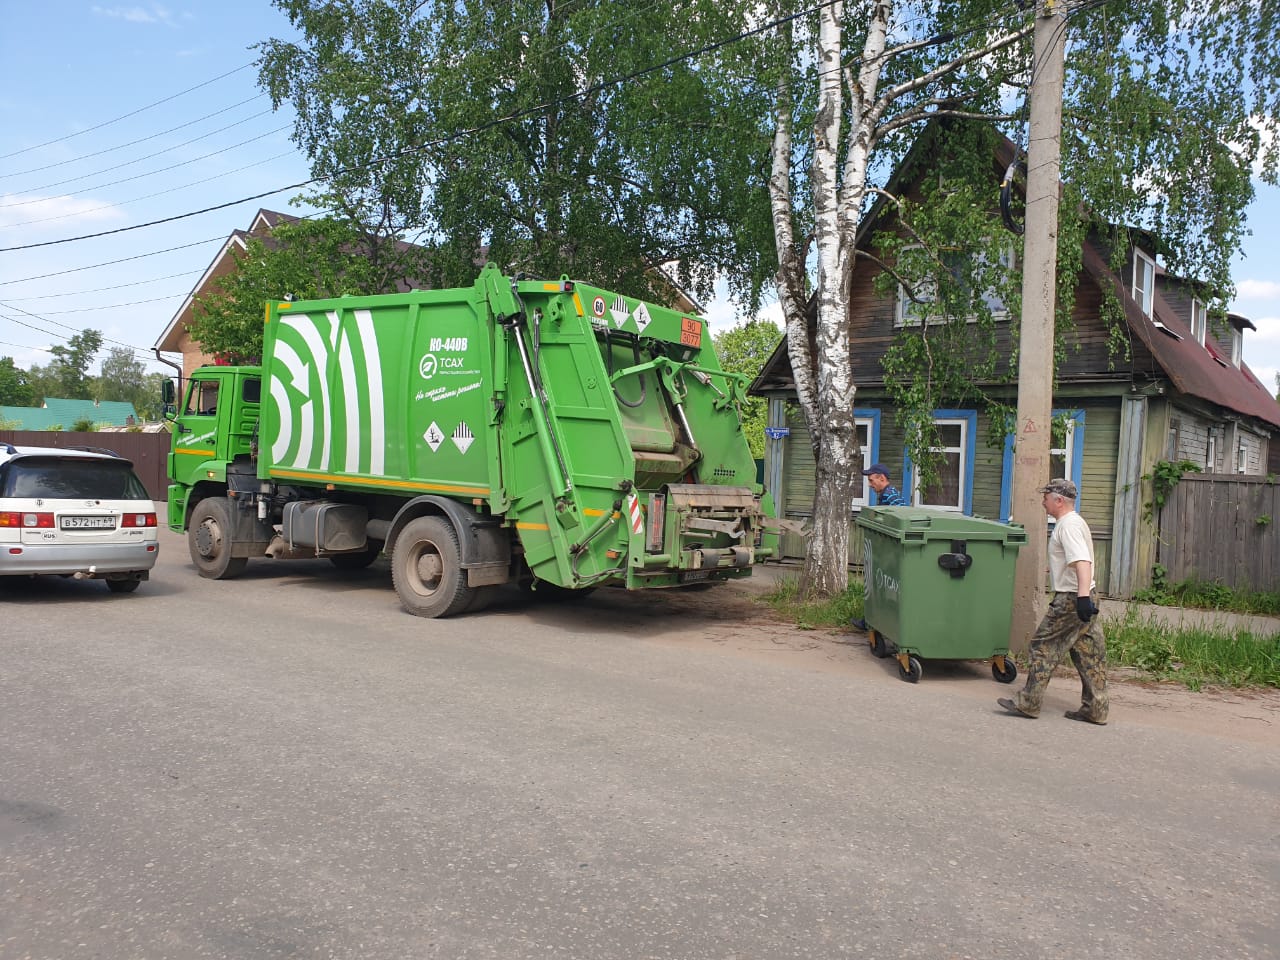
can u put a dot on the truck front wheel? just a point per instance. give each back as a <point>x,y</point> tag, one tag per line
<point>427,570</point>
<point>209,539</point>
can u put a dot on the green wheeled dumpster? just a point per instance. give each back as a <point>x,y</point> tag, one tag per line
<point>939,585</point>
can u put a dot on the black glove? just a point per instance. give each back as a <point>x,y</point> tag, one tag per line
<point>1085,609</point>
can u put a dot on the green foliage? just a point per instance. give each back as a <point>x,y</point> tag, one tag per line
<point>123,378</point>
<point>1208,596</point>
<point>67,375</point>
<point>1164,476</point>
<point>1194,656</point>
<point>305,260</point>
<point>1263,520</point>
<point>15,385</point>
<point>495,127</point>
<point>812,612</point>
<point>84,425</point>
<point>744,349</point>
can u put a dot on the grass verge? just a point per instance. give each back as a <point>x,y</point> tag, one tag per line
<point>1212,596</point>
<point>1194,656</point>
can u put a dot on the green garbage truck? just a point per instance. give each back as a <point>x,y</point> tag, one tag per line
<point>547,433</point>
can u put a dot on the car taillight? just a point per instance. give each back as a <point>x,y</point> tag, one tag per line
<point>26,520</point>
<point>138,520</point>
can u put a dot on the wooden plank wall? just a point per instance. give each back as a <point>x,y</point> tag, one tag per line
<point>149,452</point>
<point>1209,531</point>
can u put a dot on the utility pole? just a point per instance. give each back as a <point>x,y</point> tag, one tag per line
<point>1033,429</point>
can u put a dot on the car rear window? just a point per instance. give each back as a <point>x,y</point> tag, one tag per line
<point>55,478</point>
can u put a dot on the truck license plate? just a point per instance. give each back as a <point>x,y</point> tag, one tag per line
<point>88,523</point>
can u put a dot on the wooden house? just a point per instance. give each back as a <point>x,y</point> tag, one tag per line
<point>1179,391</point>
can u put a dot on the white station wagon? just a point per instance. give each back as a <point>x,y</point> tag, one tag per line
<point>75,513</point>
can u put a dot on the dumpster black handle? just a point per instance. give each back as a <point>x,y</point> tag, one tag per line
<point>958,560</point>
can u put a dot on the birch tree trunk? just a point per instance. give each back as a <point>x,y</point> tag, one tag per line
<point>823,370</point>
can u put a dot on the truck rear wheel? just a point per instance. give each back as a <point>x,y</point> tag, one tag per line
<point>427,571</point>
<point>209,540</point>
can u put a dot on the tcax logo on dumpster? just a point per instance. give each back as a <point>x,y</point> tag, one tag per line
<point>883,584</point>
<point>886,585</point>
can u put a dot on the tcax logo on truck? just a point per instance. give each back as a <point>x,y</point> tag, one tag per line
<point>433,363</point>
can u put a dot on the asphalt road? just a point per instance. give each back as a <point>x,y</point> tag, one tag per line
<point>287,765</point>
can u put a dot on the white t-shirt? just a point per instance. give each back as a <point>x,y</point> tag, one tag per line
<point>1070,543</point>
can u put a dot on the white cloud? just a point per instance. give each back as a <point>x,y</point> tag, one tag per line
<point>156,14</point>
<point>1258,290</point>
<point>53,213</point>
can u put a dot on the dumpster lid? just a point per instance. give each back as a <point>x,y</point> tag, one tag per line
<point>923,523</point>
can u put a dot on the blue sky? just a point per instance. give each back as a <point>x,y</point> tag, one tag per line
<point>73,161</point>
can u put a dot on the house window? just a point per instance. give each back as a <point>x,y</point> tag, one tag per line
<point>1062,452</point>
<point>866,425</point>
<point>1237,338</point>
<point>1175,439</point>
<point>1066,455</point>
<point>1211,450</point>
<point>916,261</point>
<point>952,488</point>
<point>1144,280</point>
<point>920,302</point>
<point>1242,458</point>
<point>1199,321</point>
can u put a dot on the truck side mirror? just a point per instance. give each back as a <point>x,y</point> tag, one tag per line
<point>168,392</point>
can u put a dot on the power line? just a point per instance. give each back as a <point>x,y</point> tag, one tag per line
<point>149,196</point>
<point>172,166</point>
<point>117,286</point>
<point>129,163</point>
<point>125,116</point>
<point>134,143</point>
<point>137,351</point>
<point>112,263</point>
<point>108,306</point>
<point>154,223</point>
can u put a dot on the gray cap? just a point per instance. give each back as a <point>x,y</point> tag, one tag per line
<point>1062,487</point>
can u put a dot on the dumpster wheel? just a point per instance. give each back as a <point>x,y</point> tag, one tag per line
<point>909,667</point>
<point>1003,668</point>
<point>879,646</point>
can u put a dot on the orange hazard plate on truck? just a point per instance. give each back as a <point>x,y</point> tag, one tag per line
<point>690,332</point>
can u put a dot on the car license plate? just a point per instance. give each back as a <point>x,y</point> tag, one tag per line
<point>88,523</point>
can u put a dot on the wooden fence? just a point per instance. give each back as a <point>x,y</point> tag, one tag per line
<point>1224,529</point>
<point>148,451</point>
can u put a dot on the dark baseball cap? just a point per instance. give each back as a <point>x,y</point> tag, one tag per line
<point>876,468</point>
<point>1062,487</point>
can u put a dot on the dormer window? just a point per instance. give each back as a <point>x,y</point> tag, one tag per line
<point>1144,280</point>
<point>1199,321</point>
<point>1237,343</point>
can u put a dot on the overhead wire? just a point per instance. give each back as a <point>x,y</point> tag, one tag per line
<point>134,143</point>
<point>151,196</point>
<point>131,113</point>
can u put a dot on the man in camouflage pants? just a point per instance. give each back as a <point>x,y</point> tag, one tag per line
<point>1071,624</point>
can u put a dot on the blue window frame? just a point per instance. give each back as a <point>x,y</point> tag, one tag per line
<point>867,424</point>
<point>1070,457</point>
<point>954,489</point>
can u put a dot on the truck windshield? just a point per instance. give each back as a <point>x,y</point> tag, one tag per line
<point>202,401</point>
